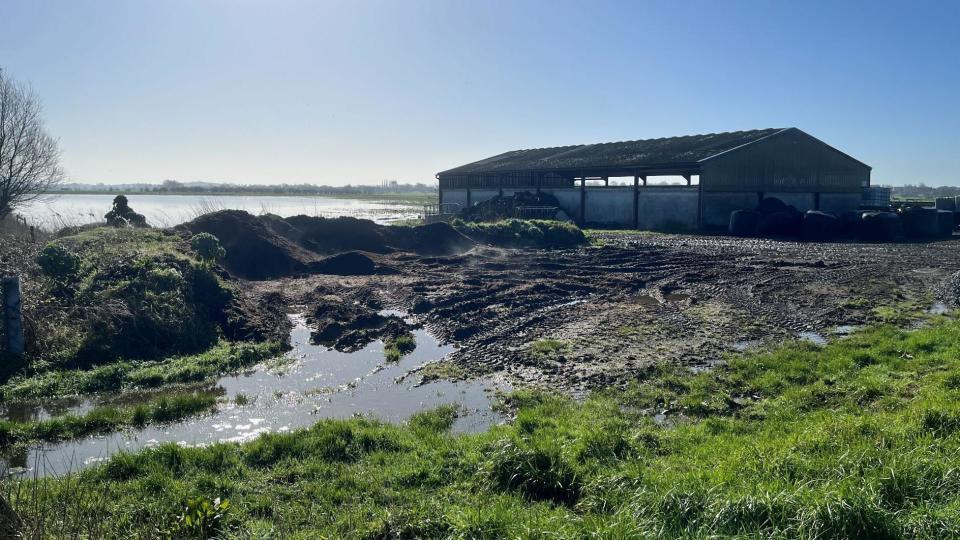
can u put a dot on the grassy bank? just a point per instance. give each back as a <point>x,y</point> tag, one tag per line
<point>225,357</point>
<point>105,419</point>
<point>860,438</point>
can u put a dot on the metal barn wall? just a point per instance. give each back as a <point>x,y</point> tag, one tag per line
<point>791,161</point>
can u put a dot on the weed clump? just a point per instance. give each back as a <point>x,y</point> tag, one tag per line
<point>397,348</point>
<point>538,470</point>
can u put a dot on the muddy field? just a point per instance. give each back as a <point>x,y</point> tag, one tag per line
<point>604,314</point>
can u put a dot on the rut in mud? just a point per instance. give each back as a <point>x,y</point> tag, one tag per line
<point>617,309</point>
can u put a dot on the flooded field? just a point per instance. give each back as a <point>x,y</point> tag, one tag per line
<point>56,211</point>
<point>310,383</point>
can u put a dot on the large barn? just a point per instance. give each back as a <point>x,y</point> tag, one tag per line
<point>617,183</point>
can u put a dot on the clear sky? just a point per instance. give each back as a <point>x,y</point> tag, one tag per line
<point>359,91</point>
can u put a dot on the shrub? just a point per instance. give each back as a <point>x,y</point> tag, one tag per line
<point>60,263</point>
<point>207,247</point>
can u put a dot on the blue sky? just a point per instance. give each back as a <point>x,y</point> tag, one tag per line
<point>359,91</point>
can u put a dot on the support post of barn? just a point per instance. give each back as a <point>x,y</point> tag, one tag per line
<point>583,200</point>
<point>13,316</point>
<point>636,201</point>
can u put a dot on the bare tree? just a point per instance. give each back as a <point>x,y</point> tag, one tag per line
<point>29,156</point>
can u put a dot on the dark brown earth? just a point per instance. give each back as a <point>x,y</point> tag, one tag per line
<point>637,299</point>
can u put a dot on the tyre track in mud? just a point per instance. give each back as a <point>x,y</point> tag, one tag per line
<point>639,299</point>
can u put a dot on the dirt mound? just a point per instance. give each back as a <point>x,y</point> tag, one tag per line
<point>336,235</point>
<point>254,248</point>
<point>270,246</point>
<point>351,263</point>
<point>433,239</point>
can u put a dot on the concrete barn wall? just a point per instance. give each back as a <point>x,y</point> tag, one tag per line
<point>609,205</point>
<point>455,196</point>
<point>838,203</point>
<point>667,208</point>
<point>569,200</point>
<point>717,206</point>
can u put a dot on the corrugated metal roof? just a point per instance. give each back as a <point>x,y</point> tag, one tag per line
<point>643,153</point>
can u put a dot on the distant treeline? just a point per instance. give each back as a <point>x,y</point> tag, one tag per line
<point>173,186</point>
<point>925,192</point>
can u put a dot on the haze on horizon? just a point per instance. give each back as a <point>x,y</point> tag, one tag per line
<point>342,92</point>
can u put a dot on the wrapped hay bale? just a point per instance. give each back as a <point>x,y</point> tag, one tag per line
<point>880,227</point>
<point>744,222</point>
<point>781,223</point>
<point>850,222</point>
<point>821,226</point>
<point>920,222</point>
<point>945,223</point>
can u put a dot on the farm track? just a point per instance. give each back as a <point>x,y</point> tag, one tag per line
<point>638,299</point>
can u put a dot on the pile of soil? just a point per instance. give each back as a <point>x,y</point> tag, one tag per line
<point>255,250</point>
<point>270,246</point>
<point>351,263</point>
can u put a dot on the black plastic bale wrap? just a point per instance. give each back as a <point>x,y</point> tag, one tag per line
<point>920,222</point>
<point>821,226</point>
<point>851,223</point>
<point>784,223</point>
<point>880,227</point>
<point>744,222</point>
<point>945,222</point>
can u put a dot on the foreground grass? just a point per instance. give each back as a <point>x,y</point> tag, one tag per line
<point>105,419</point>
<point>859,439</point>
<point>225,357</point>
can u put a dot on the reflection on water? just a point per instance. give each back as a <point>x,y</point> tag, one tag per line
<point>167,210</point>
<point>813,337</point>
<point>314,383</point>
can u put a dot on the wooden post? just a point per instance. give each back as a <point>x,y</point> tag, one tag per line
<point>636,202</point>
<point>12,316</point>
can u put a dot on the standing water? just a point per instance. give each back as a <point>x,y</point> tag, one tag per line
<point>314,383</point>
<point>56,211</point>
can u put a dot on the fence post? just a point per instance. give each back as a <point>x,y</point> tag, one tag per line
<point>12,315</point>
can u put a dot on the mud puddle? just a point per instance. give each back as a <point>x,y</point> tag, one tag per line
<point>312,384</point>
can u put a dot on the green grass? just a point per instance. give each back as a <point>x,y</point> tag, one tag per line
<point>105,419</point>
<point>127,293</point>
<point>549,346</point>
<point>225,357</point>
<point>857,439</point>
<point>396,349</point>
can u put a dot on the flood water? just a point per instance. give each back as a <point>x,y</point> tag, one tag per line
<point>56,211</point>
<point>312,383</point>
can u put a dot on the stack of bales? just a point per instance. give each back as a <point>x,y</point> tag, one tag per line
<point>774,218</point>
